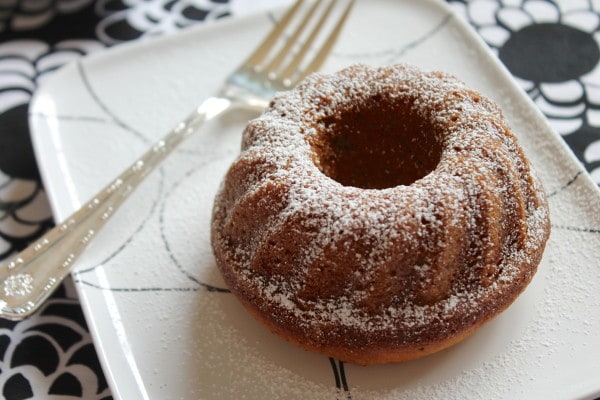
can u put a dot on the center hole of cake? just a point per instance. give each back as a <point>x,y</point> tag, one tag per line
<point>378,146</point>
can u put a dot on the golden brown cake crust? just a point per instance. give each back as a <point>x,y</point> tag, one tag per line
<point>379,214</point>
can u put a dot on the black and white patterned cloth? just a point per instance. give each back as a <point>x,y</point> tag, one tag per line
<point>551,47</point>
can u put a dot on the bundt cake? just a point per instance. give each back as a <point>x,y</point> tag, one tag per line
<point>379,214</point>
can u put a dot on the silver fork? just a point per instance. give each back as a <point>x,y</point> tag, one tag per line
<point>28,279</point>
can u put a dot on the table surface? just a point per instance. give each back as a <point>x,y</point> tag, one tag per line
<point>551,48</point>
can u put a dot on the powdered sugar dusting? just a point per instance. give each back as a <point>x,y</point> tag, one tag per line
<point>393,266</point>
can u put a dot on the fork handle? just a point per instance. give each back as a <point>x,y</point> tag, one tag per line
<point>30,277</point>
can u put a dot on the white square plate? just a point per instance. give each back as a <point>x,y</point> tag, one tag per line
<point>145,284</point>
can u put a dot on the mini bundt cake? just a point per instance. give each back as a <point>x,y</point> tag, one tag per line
<point>379,214</point>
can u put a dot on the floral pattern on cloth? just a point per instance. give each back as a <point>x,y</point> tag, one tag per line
<point>563,38</point>
<point>50,355</point>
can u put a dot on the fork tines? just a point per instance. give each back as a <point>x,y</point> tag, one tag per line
<point>300,41</point>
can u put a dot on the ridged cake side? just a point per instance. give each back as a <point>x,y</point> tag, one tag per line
<point>379,214</point>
